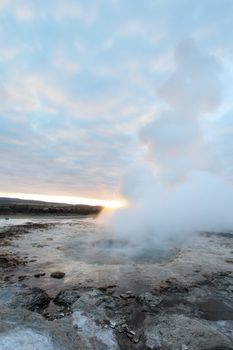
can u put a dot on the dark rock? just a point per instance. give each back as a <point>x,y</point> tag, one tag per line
<point>31,299</point>
<point>16,295</point>
<point>127,295</point>
<point>15,231</point>
<point>136,339</point>
<point>229,261</point>
<point>21,278</point>
<point>171,285</point>
<point>107,286</point>
<point>58,274</point>
<point>67,297</point>
<point>40,274</point>
<point>8,260</point>
<point>133,337</point>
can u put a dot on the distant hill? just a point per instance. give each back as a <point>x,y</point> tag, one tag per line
<point>6,200</point>
<point>13,206</point>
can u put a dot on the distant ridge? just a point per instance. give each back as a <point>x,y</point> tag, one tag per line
<point>6,200</point>
<point>13,206</point>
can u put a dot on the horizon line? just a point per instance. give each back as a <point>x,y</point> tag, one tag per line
<point>74,200</point>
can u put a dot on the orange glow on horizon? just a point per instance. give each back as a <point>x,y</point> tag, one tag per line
<point>118,203</point>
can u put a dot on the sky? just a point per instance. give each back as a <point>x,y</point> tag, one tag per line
<point>80,81</point>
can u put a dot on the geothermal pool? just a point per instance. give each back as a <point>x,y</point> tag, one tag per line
<point>140,296</point>
<point>90,256</point>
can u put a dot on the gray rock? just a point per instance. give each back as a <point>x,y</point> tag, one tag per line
<point>92,317</point>
<point>101,336</point>
<point>67,297</point>
<point>150,300</point>
<point>9,260</point>
<point>18,295</point>
<point>94,302</point>
<point>181,332</point>
<point>24,330</point>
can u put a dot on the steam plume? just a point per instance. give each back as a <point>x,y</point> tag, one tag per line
<point>182,184</point>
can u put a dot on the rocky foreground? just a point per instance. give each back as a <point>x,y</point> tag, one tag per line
<point>173,314</point>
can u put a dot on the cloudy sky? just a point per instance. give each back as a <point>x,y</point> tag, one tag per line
<point>80,80</point>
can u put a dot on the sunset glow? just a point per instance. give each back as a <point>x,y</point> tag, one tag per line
<point>107,203</point>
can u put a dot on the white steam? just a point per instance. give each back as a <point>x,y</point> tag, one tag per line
<point>181,185</point>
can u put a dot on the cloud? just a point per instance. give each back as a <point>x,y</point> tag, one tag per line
<point>132,28</point>
<point>23,12</point>
<point>163,62</point>
<point>80,79</point>
<point>9,53</point>
<point>66,65</point>
<point>73,10</point>
<point>59,10</point>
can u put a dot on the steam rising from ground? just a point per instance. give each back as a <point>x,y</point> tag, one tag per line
<point>182,183</point>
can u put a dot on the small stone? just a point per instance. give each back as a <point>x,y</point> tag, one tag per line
<point>126,296</point>
<point>122,295</point>
<point>131,332</point>
<point>106,287</point>
<point>133,336</point>
<point>58,274</point>
<point>130,336</point>
<point>40,274</point>
<point>165,285</point>
<point>229,261</point>
<point>136,339</point>
<point>112,324</point>
<point>21,278</point>
<point>120,329</point>
<point>184,347</point>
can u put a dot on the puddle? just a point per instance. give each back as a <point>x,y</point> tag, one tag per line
<point>215,310</point>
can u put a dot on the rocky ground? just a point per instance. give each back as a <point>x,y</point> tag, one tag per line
<point>194,313</point>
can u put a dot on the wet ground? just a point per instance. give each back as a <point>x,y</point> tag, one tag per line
<point>132,298</point>
<point>81,249</point>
